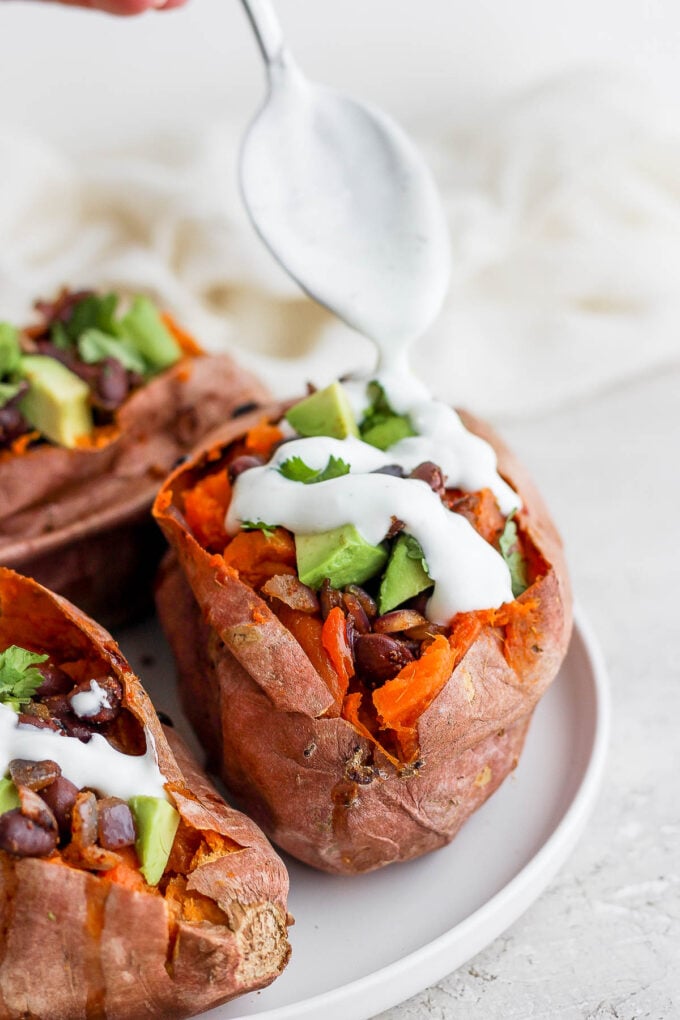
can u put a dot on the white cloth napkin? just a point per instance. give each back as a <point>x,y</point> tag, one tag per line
<point>564,209</point>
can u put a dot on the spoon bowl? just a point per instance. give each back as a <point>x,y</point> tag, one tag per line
<point>343,200</point>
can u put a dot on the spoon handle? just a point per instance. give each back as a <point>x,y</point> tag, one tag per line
<point>267,29</point>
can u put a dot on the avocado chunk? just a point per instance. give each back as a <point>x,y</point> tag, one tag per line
<point>405,575</point>
<point>58,402</point>
<point>149,334</point>
<point>388,432</point>
<point>341,555</point>
<point>325,413</point>
<point>9,797</point>
<point>156,823</point>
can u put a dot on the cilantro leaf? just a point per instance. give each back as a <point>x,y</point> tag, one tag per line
<point>296,470</point>
<point>514,559</point>
<point>10,352</point>
<point>93,312</point>
<point>95,345</point>
<point>59,336</point>
<point>414,550</point>
<point>267,529</point>
<point>335,468</point>
<point>19,679</point>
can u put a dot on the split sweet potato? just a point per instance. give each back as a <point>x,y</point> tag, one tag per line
<point>82,932</point>
<point>63,511</point>
<point>344,778</point>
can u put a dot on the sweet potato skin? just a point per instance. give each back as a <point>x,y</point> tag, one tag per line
<point>320,789</point>
<point>62,511</point>
<point>74,945</point>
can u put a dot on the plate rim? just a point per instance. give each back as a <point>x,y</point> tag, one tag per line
<point>418,969</point>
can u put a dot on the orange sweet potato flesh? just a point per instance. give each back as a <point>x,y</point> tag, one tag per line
<point>333,789</point>
<point>62,511</point>
<point>75,944</point>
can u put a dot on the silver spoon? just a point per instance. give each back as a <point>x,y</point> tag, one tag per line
<point>343,200</point>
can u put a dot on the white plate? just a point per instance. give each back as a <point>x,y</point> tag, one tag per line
<point>362,944</point>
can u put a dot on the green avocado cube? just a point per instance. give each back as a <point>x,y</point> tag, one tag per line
<point>9,797</point>
<point>149,334</point>
<point>405,576</point>
<point>57,402</point>
<point>341,555</point>
<point>156,823</point>
<point>387,432</point>
<point>325,413</point>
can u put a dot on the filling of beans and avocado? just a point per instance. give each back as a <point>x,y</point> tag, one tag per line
<point>359,609</point>
<point>68,374</point>
<point>42,812</point>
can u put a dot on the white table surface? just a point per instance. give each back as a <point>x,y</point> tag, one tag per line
<point>604,940</point>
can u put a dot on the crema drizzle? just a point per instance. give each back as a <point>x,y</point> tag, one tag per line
<point>96,765</point>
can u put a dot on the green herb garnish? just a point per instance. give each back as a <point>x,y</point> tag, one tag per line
<point>19,679</point>
<point>414,550</point>
<point>510,552</point>
<point>94,346</point>
<point>267,529</point>
<point>296,470</point>
<point>139,340</point>
<point>91,312</point>
<point>10,352</point>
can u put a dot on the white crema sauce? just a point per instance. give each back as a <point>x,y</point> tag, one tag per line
<point>96,765</point>
<point>467,572</point>
<point>353,214</point>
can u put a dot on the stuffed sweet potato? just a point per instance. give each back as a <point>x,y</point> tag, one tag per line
<point>362,631</point>
<point>128,888</point>
<point>95,408</point>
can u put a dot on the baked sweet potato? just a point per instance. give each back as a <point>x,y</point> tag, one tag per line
<point>348,759</point>
<point>63,510</point>
<point>107,909</point>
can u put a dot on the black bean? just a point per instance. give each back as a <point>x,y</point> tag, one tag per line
<point>60,797</point>
<point>23,837</point>
<point>243,463</point>
<point>34,807</point>
<point>112,384</point>
<point>165,719</point>
<point>59,708</point>
<point>390,469</point>
<point>12,423</point>
<point>329,598</point>
<point>242,409</point>
<point>398,619</point>
<point>113,691</point>
<point>395,527</point>
<point>33,774</point>
<point>356,611</point>
<point>367,602</point>
<point>116,825</point>
<point>29,719</point>
<point>379,657</point>
<point>432,474</point>
<point>55,680</point>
